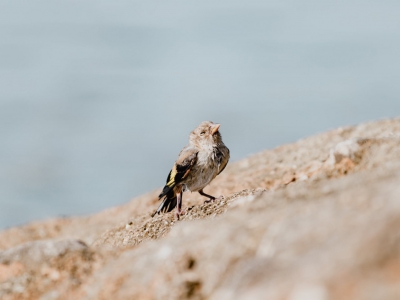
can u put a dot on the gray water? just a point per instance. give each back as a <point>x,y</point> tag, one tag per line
<point>98,97</point>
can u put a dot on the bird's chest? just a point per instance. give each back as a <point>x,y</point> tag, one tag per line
<point>203,172</point>
<point>205,158</point>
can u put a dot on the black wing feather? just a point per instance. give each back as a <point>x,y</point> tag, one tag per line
<point>178,172</point>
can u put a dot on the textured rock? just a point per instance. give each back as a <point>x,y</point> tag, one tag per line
<point>317,219</point>
<point>39,252</point>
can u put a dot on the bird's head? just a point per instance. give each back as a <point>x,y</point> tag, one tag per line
<point>206,135</point>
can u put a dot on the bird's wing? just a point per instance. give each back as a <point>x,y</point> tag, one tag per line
<point>223,160</point>
<point>187,158</point>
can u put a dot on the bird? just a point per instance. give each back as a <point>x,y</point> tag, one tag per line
<point>198,163</point>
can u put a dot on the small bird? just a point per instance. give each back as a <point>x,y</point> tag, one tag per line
<point>197,165</point>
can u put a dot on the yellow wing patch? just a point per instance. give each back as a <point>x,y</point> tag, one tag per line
<point>172,177</point>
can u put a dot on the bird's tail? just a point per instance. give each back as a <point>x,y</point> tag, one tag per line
<point>168,203</point>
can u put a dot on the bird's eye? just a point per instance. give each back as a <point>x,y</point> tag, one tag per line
<point>202,133</point>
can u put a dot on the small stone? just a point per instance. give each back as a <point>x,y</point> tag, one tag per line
<point>288,178</point>
<point>346,149</point>
<point>128,225</point>
<point>51,273</point>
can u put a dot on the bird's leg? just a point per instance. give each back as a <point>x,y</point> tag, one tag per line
<point>210,198</point>
<point>178,205</point>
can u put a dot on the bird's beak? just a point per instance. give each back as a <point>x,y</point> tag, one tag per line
<point>215,128</point>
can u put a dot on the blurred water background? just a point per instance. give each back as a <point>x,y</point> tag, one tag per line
<point>98,97</point>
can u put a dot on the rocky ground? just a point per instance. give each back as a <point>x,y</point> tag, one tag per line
<point>315,220</point>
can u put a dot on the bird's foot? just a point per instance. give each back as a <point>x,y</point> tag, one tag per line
<point>212,199</point>
<point>179,213</point>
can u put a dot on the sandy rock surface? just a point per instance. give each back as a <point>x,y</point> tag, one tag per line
<point>316,219</point>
